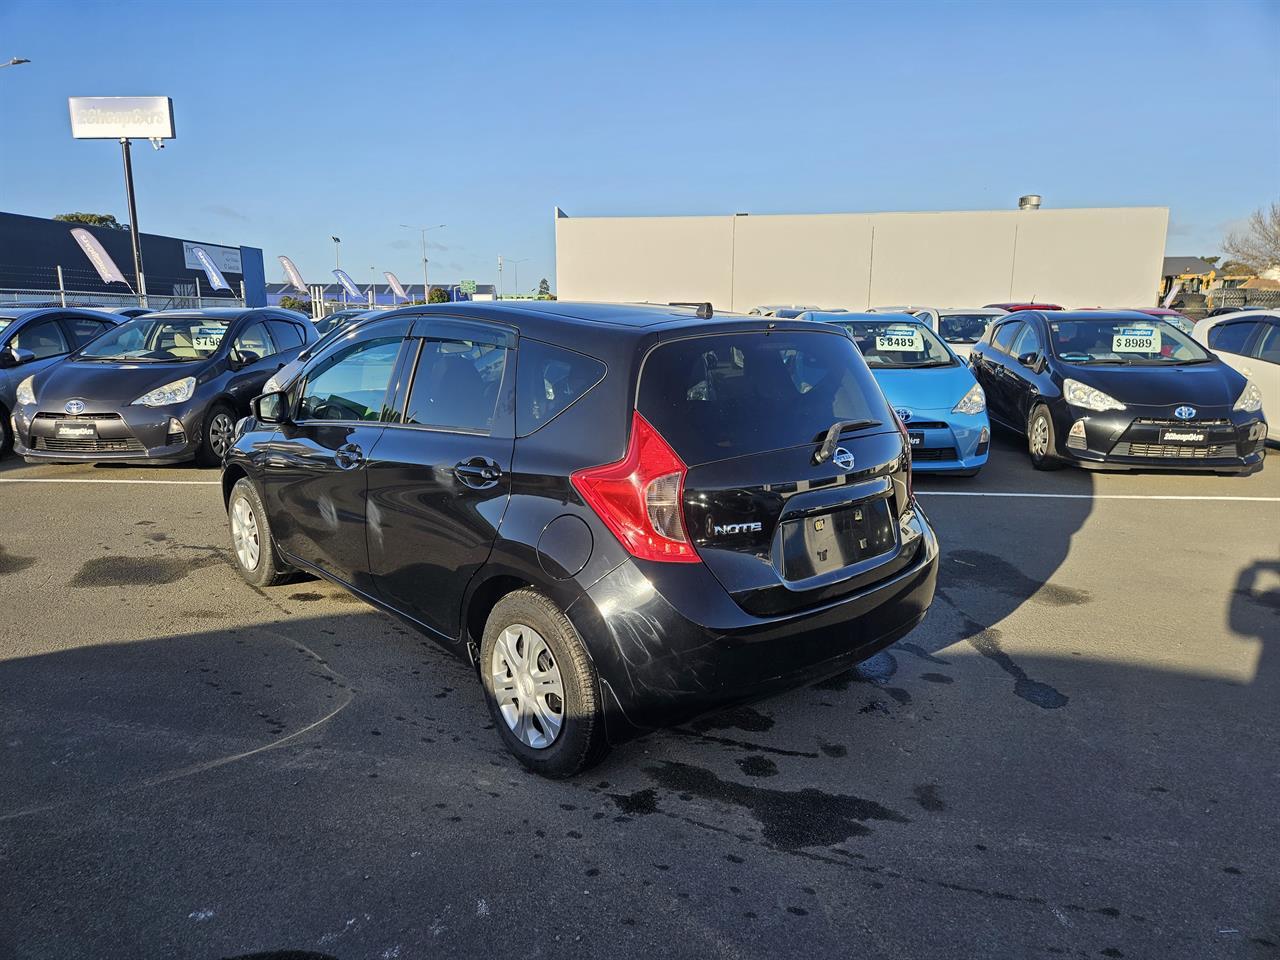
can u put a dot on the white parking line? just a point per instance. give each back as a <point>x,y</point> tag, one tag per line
<point>1086,496</point>
<point>181,483</point>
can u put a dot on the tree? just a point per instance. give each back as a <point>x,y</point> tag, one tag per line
<point>1258,245</point>
<point>290,302</point>
<point>1210,260</point>
<point>93,219</point>
<point>544,289</point>
<point>438,295</point>
<point>1234,268</point>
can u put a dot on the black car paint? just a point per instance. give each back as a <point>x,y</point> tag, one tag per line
<point>667,639</point>
<point>109,389</point>
<point>1015,385</point>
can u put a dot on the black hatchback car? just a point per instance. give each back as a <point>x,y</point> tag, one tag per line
<point>1118,390</point>
<point>160,388</point>
<point>621,515</point>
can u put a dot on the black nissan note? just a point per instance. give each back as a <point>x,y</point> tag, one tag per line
<point>621,515</point>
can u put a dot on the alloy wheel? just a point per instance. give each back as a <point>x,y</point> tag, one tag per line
<point>1040,437</point>
<point>528,686</point>
<point>221,428</point>
<point>244,534</point>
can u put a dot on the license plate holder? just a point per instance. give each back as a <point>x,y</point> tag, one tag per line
<point>1176,435</point>
<point>916,437</point>
<point>75,430</point>
<point>819,544</point>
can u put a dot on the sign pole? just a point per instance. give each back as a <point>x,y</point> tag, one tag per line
<point>139,282</point>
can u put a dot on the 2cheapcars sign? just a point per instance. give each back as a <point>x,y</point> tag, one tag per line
<point>110,118</point>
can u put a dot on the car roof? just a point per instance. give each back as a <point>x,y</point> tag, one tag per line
<point>18,313</point>
<point>211,313</point>
<point>622,315</point>
<point>822,316</point>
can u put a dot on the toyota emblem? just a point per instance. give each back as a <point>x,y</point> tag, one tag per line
<point>1185,413</point>
<point>904,414</point>
<point>74,407</point>
<point>843,459</point>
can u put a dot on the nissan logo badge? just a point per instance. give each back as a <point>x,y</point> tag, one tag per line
<point>1185,413</point>
<point>843,459</point>
<point>74,407</point>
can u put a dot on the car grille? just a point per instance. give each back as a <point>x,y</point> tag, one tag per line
<point>927,425</point>
<point>1174,451</point>
<point>52,444</point>
<point>1189,424</point>
<point>83,416</point>
<point>920,454</point>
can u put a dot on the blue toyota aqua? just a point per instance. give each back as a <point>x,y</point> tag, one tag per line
<point>929,387</point>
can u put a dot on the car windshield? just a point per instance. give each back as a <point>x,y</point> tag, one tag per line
<point>963,327</point>
<point>737,394</point>
<point>1134,341</point>
<point>156,339</point>
<point>897,344</point>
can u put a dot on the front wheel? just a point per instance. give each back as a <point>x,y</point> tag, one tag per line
<point>541,686</point>
<point>1040,441</point>
<point>251,547</point>
<point>216,435</point>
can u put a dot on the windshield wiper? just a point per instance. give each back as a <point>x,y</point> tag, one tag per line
<point>832,438</point>
<point>1183,363</point>
<point>1094,360</point>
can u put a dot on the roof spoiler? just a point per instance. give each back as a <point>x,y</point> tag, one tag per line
<point>704,310</point>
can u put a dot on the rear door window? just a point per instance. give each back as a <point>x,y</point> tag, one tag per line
<point>1232,337</point>
<point>738,394</point>
<point>1267,348</point>
<point>548,380</point>
<point>1003,340</point>
<point>285,334</point>
<point>456,385</point>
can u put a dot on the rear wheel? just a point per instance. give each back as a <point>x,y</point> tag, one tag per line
<point>1040,441</point>
<point>541,686</point>
<point>216,435</point>
<point>251,546</point>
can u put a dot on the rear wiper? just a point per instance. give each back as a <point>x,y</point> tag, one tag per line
<point>832,438</point>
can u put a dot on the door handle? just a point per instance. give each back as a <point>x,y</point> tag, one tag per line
<point>478,472</point>
<point>348,456</point>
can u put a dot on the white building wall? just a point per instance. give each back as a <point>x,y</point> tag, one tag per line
<point>1082,257</point>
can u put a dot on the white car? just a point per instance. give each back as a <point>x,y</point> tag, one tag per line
<point>783,311</point>
<point>1249,341</point>
<point>961,327</point>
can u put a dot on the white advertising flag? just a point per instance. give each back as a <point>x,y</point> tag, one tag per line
<point>99,257</point>
<point>292,273</point>
<point>396,285</point>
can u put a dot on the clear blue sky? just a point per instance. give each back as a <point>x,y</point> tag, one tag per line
<point>297,121</point>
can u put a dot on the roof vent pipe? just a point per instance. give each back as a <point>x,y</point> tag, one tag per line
<point>1030,202</point>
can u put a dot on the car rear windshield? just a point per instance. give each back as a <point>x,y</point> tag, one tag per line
<point>1136,341</point>
<point>736,394</point>
<point>964,327</point>
<point>898,343</point>
<point>159,339</point>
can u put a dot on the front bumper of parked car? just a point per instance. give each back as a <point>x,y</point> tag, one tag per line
<point>946,442</point>
<point>131,434</point>
<point>1219,440</point>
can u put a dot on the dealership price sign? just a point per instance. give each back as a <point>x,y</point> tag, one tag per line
<point>905,339</point>
<point>1135,340</point>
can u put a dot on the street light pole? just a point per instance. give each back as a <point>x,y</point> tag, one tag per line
<point>337,264</point>
<point>515,270</point>
<point>426,283</point>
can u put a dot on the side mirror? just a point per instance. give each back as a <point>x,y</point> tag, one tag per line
<point>1033,361</point>
<point>271,408</point>
<point>243,358</point>
<point>15,357</point>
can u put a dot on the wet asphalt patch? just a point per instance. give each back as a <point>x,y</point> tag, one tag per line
<point>118,571</point>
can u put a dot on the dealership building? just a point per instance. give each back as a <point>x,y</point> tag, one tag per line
<point>1104,256</point>
<point>41,263</point>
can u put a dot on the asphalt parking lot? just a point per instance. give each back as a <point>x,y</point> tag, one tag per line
<point>1077,754</point>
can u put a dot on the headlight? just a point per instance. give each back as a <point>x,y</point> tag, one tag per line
<point>1082,395</point>
<point>177,392</point>
<point>24,394</point>
<point>1250,397</point>
<point>975,401</point>
<point>271,386</point>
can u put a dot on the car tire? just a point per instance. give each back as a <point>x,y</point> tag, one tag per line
<point>252,550</point>
<point>1041,444</point>
<point>6,433</point>
<point>216,434</point>
<point>523,624</point>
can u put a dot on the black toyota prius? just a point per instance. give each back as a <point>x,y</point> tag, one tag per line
<point>1118,390</point>
<point>160,388</point>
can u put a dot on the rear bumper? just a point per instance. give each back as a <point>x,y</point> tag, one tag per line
<point>135,435</point>
<point>1230,442</point>
<point>667,654</point>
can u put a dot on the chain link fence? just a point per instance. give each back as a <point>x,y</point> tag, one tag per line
<point>70,287</point>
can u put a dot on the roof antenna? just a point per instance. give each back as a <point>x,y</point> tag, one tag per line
<point>704,310</point>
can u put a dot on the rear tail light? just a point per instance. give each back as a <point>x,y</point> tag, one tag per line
<point>639,497</point>
<point>906,457</point>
